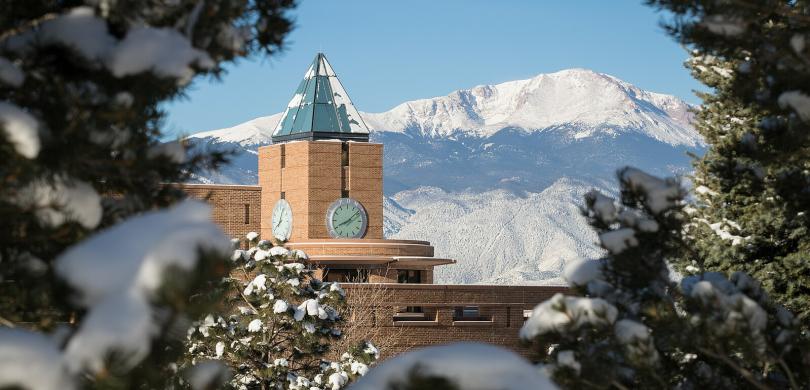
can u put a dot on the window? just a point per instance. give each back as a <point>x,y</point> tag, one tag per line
<point>247,213</point>
<point>345,154</point>
<point>344,191</point>
<point>282,194</point>
<point>508,317</point>
<point>467,313</point>
<point>283,163</point>
<point>409,276</point>
<point>415,314</point>
<point>345,275</point>
<point>411,309</point>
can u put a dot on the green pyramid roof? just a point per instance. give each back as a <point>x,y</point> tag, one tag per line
<point>320,109</point>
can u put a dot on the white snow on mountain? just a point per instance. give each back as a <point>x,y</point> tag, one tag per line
<point>580,97</point>
<point>249,134</point>
<point>492,176</point>
<point>496,236</point>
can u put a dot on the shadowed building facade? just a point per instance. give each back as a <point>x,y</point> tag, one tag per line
<point>320,190</point>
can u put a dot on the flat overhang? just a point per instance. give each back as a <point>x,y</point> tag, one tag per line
<point>359,259</point>
<point>416,260</point>
<point>388,250</point>
<point>355,241</point>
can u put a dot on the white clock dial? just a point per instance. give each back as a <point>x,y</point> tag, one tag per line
<point>282,220</point>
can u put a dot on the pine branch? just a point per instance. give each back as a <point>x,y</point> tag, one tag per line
<point>734,366</point>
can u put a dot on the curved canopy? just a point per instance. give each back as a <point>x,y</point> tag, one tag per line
<point>320,109</point>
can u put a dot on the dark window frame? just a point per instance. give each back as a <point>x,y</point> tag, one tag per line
<point>346,275</point>
<point>409,276</point>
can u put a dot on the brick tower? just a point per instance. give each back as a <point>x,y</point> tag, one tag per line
<point>322,189</point>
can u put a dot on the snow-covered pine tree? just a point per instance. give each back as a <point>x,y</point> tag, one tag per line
<point>753,183</point>
<point>81,84</point>
<point>277,325</point>
<point>629,325</point>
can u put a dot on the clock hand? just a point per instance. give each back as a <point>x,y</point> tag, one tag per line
<point>349,219</point>
<point>280,218</point>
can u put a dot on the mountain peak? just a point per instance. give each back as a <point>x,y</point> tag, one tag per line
<point>581,102</point>
<point>257,131</point>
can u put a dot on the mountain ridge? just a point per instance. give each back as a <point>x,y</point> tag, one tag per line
<point>473,113</point>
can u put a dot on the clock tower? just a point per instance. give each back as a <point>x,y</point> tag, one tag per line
<point>322,187</point>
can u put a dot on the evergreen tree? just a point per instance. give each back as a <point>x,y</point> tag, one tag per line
<point>629,325</point>
<point>753,183</point>
<point>277,324</point>
<point>81,83</point>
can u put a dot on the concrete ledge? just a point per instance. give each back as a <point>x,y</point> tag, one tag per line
<point>214,186</point>
<point>364,241</point>
<point>474,323</point>
<point>455,287</point>
<point>416,323</point>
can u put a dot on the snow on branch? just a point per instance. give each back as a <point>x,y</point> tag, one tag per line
<point>31,360</point>
<point>658,194</point>
<point>723,25</point>
<point>727,297</point>
<point>60,200</point>
<point>798,101</point>
<point>637,340</point>
<point>117,272</point>
<point>561,313</point>
<point>20,129</point>
<point>163,51</point>
<point>78,29</point>
<point>470,366</point>
<point>617,241</point>
<point>10,74</point>
<point>603,206</point>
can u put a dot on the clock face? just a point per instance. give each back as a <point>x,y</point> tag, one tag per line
<point>282,220</point>
<point>346,218</point>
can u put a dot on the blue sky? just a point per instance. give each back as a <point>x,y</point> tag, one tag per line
<point>389,52</point>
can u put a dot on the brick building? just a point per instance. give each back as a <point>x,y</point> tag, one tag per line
<point>320,190</point>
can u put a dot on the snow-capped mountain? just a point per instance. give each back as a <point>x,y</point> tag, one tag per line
<point>249,134</point>
<point>507,238</point>
<point>580,100</point>
<point>503,166</point>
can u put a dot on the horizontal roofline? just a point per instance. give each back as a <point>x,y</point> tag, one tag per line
<point>321,135</point>
<point>216,186</point>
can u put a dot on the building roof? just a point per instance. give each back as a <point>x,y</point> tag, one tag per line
<point>320,109</point>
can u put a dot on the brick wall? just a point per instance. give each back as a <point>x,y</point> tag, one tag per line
<point>500,306</point>
<point>365,183</point>
<point>236,209</point>
<point>312,175</point>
